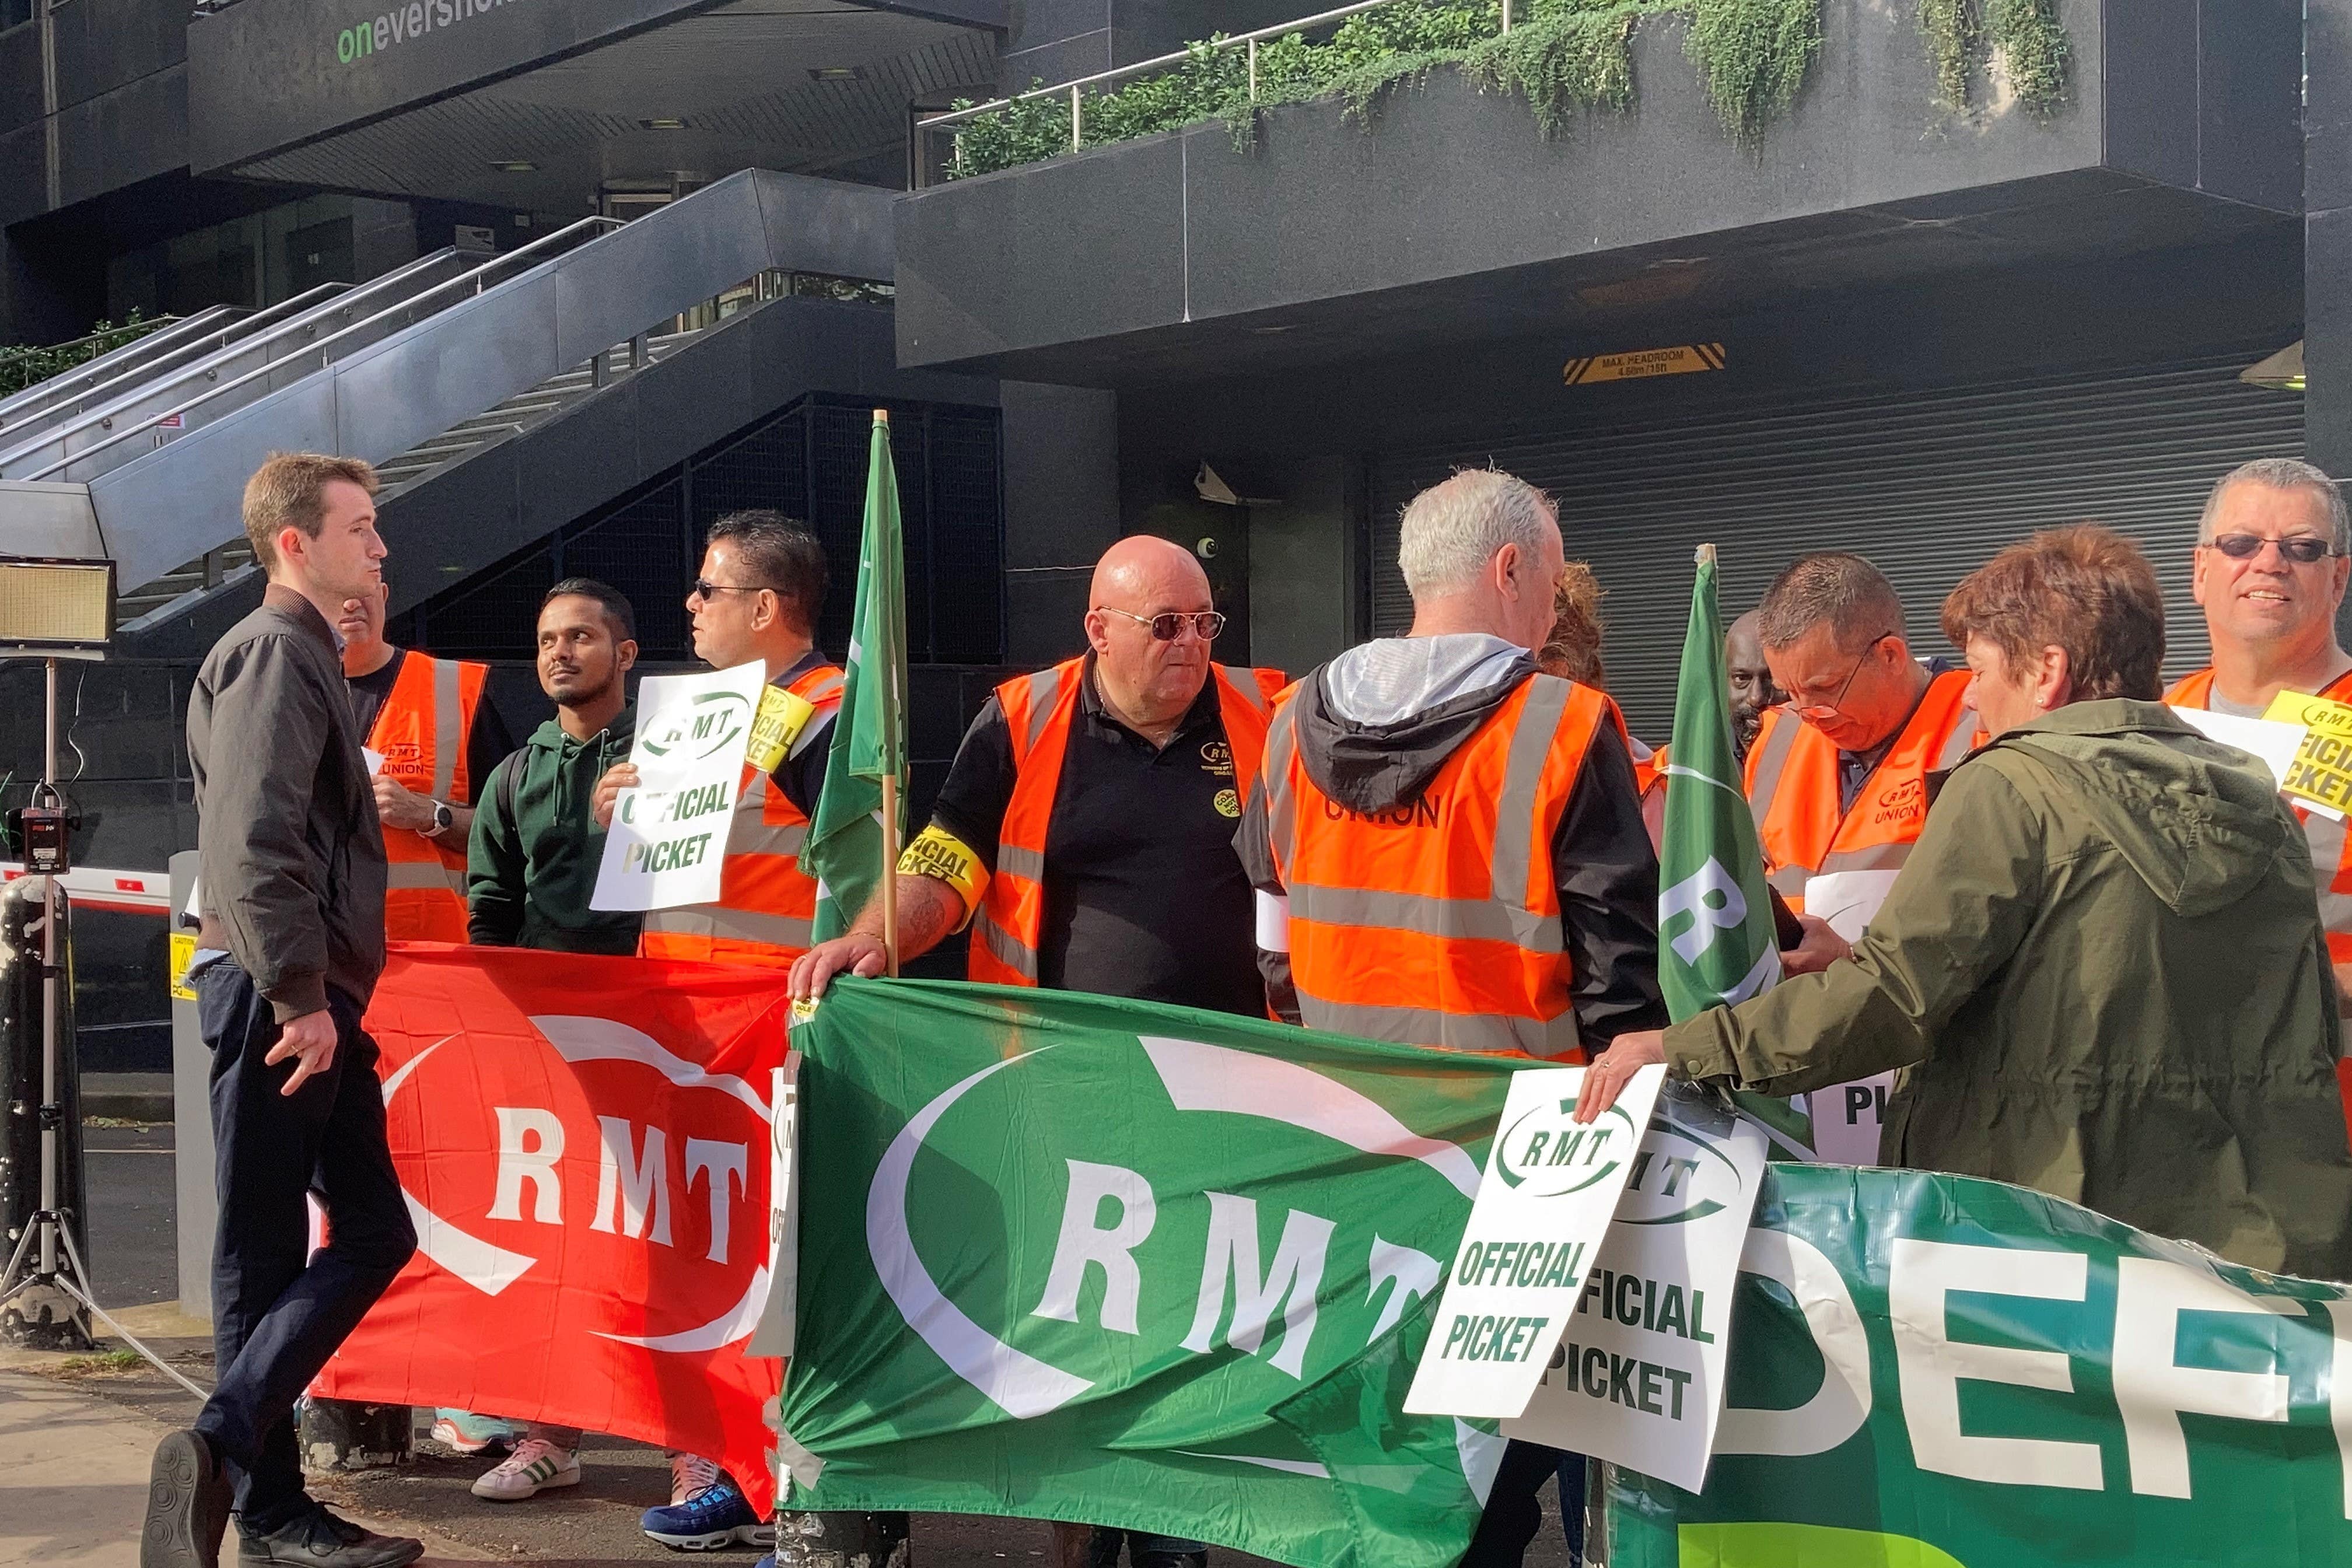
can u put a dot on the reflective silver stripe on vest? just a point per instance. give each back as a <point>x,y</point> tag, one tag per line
<point>1790,881</point>
<point>1042,689</point>
<point>1245,681</point>
<point>732,925</point>
<point>1877,857</point>
<point>829,687</point>
<point>415,874</point>
<point>1281,799</point>
<point>448,726</point>
<point>2325,837</point>
<point>1466,920</point>
<point>1454,1031</point>
<point>1958,743</point>
<point>1006,950</point>
<point>1523,772</point>
<point>1015,860</point>
<point>749,833</point>
<point>1771,765</point>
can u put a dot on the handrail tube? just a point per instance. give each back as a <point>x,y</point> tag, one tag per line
<point>249,329</point>
<point>150,324</point>
<point>1158,62</point>
<point>295,318</point>
<point>273,366</point>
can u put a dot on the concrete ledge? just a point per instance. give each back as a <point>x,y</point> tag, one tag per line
<point>127,1096</point>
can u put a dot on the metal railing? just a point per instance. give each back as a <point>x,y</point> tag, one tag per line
<point>1075,91</point>
<point>159,426</point>
<point>135,330</point>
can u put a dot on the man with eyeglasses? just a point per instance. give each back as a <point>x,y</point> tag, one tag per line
<point>1086,833</point>
<point>1838,776</point>
<point>2271,567</point>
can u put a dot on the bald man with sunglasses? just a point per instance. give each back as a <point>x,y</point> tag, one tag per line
<point>2271,568</point>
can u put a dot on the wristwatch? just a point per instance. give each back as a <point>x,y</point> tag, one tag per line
<point>443,819</point>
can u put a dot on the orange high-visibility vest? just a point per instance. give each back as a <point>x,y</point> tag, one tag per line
<point>1650,771</point>
<point>1039,710</point>
<point>766,913</point>
<point>421,731</point>
<point>1793,788</point>
<point>2331,849</point>
<point>1438,924</point>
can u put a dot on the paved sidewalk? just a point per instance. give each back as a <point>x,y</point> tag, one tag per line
<point>73,1480</point>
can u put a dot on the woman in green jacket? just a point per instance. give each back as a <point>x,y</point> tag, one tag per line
<point>2102,968</point>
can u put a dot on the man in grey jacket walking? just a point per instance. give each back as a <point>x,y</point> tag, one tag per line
<point>290,944</point>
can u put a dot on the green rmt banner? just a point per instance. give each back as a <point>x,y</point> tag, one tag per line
<point>1714,912</point>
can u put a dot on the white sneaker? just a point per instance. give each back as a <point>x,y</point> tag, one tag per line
<point>535,1465</point>
<point>690,1475</point>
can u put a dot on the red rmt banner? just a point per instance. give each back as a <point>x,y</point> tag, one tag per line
<point>583,1143</point>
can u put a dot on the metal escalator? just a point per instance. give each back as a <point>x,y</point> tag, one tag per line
<point>415,371</point>
<point>226,565</point>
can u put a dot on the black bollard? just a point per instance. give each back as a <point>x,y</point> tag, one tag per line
<point>840,1540</point>
<point>41,1318</point>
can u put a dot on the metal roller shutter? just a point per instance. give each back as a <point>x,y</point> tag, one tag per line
<point>1927,484</point>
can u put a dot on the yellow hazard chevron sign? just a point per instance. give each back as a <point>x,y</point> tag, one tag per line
<point>1683,359</point>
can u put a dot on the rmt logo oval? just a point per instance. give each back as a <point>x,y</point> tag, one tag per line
<point>1545,1153</point>
<point>699,729</point>
<point>604,1156</point>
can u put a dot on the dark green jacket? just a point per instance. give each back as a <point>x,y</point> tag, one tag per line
<point>531,864</point>
<point>2103,971</point>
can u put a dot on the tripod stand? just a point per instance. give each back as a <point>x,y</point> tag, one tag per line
<point>45,1255</point>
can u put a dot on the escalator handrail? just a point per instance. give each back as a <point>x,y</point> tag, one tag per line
<point>242,326</point>
<point>474,276</point>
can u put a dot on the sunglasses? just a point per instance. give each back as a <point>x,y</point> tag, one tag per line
<point>2301,549</point>
<point>706,589</point>
<point>1168,625</point>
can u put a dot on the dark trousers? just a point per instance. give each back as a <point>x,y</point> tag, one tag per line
<point>1513,1513</point>
<point>278,1312</point>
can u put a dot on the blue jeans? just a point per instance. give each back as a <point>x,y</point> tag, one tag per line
<point>279,1312</point>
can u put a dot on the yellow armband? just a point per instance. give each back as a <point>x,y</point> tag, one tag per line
<point>778,723</point>
<point>941,856</point>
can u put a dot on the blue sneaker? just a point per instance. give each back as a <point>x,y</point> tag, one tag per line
<point>710,1511</point>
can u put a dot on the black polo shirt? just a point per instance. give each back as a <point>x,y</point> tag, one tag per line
<point>1144,895</point>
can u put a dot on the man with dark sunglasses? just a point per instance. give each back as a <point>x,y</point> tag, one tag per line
<point>2271,567</point>
<point>1086,833</point>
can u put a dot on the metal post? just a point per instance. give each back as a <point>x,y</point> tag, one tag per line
<point>1507,16</point>
<point>50,1097</point>
<point>1253,66</point>
<point>1075,119</point>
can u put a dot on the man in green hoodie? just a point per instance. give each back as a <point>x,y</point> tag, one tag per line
<point>532,861</point>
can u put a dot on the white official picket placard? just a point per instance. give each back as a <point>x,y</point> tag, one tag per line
<point>1549,1189</point>
<point>1846,1118</point>
<point>668,844</point>
<point>1639,1375</point>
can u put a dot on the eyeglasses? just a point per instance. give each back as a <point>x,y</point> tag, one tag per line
<point>705,588</point>
<point>1819,712</point>
<point>1168,625</point>
<point>2300,548</point>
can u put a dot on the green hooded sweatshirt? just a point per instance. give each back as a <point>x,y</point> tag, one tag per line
<point>531,863</point>
<point>2103,972</point>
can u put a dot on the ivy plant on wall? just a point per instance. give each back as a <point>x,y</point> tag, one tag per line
<point>2024,35</point>
<point>1562,56</point>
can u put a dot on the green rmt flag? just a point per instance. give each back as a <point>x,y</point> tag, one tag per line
<point>845,843</point>
<point>1714,912</point>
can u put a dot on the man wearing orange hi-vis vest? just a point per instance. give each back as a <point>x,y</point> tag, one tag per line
<point>438,738</point>
<point>1447,844</point>
<point>2274,554</point>
<point>758,597</point>
<point>1840,778</point>
<point>1085,832</point>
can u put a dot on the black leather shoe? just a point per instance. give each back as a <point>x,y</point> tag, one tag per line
<point>319,1539</point>
<point>187,1506</point>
